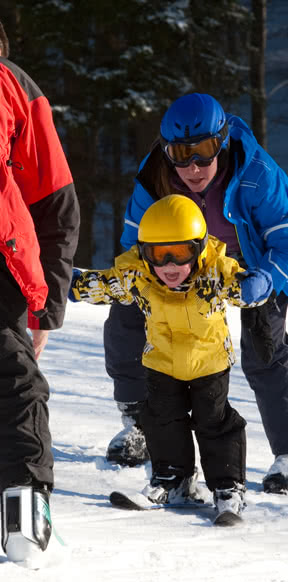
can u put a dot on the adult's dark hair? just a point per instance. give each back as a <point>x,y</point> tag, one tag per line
<point>4,42</point>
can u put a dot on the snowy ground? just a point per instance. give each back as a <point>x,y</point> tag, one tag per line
<point>106,544</point>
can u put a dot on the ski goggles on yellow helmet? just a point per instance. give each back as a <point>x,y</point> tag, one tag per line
<point>179,253</point>
<point>201,152</point>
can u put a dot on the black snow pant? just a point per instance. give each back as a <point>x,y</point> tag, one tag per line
<point>124,340</point>
<point>218,427</point>
<point>25,442</point>
<point>270,382</point>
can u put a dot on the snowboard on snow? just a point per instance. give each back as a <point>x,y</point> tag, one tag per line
<point>227,518</point>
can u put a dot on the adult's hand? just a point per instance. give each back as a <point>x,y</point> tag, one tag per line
<point>39,339</point>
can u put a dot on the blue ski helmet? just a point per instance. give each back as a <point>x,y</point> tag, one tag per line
<point>196,115</point>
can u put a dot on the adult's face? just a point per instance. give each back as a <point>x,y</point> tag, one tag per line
<point>196,177</point>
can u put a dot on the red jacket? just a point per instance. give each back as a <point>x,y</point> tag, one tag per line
<point>39,217</point>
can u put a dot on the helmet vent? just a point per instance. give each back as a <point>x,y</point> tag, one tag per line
<point>197,124</point>
<point>178,125</point>
<point>187,132</point>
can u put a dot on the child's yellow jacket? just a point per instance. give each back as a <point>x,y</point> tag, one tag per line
<point>187,332</point>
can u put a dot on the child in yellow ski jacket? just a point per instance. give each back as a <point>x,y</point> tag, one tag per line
<point>180,279</point>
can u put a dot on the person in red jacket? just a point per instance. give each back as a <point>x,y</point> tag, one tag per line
<point>39,224</point>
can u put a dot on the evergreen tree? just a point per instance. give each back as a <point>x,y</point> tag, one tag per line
<point>219,40</point>
<point>110,69</point>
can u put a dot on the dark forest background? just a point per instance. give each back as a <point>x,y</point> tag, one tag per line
<point>110,68</point>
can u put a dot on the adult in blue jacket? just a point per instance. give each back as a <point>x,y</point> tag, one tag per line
<point>214,159</point>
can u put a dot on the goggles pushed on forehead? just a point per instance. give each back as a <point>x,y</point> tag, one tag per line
<point>202,152</point>
<point>180,253</point>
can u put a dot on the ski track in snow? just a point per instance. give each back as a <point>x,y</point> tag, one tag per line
<point>107,544</point>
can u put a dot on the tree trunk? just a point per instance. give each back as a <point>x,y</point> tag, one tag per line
<point>116,184</point>
<point>257,71</point>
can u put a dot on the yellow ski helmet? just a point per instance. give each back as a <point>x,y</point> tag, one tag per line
<point>172,220</point>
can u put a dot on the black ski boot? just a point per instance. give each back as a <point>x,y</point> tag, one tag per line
<point>276,483</point>
<point>169,487</point>
<point>276,480</point>
<point>128,447</point>
<point>229,504</point>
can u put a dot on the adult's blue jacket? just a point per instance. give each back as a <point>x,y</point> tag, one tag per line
<point>255,201</point>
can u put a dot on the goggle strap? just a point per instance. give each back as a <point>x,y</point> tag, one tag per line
<point>223,132</point>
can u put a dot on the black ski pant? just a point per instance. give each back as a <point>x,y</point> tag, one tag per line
<point>218,427</point>
<point>25,442</point>
<point>270,382</point>
<point>124,340</point>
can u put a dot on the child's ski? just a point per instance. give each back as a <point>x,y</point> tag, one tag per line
<point>225,519</point>
<point>122,501</point>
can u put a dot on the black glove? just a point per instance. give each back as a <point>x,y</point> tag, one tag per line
<point>257,320</point>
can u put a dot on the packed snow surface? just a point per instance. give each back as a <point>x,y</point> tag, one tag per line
<point>106,544</point>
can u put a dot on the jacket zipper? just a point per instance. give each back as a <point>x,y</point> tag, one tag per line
<point>12,243</point>
<point>203,206</point>
<point>187,312</point>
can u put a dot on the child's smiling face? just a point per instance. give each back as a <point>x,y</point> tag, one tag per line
<point>173,275</point>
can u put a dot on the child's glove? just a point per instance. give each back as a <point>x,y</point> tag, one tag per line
<point>76,274</point>
<point>256,285</point>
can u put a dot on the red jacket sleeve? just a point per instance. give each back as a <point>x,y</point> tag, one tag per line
<point>28,138</point>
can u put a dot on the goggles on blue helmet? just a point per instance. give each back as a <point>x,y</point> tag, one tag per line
<point>199,149</point>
